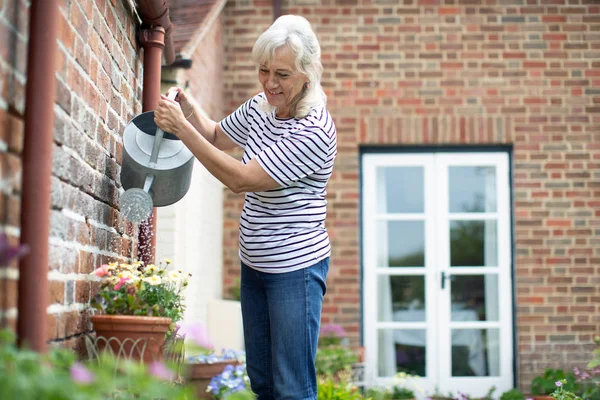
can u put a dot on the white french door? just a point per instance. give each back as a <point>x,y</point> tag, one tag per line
<point>437,290</point>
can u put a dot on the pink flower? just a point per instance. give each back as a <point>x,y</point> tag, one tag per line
<point>334,330</point>
<point>161,371</point>
<point>196,333</point>
<point>121,282</point>
<point>102,271</point>
<point>558,383</point>
<point>80,374</point>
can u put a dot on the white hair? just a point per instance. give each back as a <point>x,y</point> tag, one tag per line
<point>296,33</point>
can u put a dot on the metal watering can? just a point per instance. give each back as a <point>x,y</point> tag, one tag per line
<point>156,170</point>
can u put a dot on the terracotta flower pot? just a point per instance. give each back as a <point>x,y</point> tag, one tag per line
<point>199,375</point>
<point>542,397</point>
<point>132,337</point>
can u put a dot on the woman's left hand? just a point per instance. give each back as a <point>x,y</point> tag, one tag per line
<point>169,116</point>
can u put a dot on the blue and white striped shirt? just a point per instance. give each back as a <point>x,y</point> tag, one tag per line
<point>283,229</point>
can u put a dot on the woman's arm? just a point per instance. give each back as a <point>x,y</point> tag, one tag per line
<point>237,176</point>
<point>208,128</point>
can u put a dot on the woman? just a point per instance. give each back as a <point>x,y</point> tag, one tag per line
<point>289,142</point>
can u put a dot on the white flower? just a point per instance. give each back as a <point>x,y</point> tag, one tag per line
<point>153,280</point>
<point>126,274</point>
<point>150,269</point>
<point>174,276</point>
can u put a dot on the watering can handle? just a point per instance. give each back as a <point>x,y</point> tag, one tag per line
<point>158,136</point>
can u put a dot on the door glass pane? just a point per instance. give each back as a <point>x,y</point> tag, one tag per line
<point>476,352</point>
<point>473,244</point>
<point>401,350</point>
<point>400,243</point>
<point>401,298</point>
<point>474,297</point>
<point>472,189</point>
<point>400,190</point>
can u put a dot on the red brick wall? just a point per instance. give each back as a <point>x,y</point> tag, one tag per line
<point>98,91</point>
<point>525,73</point>
<point>206,75</point>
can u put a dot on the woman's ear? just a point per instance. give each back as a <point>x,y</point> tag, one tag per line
<point>305,85</point>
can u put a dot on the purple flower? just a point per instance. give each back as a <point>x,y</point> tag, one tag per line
<point>80,374</point>
<point>8,252</point>
<point>333,330</point>
<point>558,383</point>
<point>161,371</point>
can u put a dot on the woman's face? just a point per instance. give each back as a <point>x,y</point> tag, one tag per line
<point>281,81</point>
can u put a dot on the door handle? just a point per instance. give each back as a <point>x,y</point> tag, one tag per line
<point>450,277</point>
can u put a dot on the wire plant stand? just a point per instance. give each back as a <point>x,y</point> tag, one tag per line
<point>131,350</point>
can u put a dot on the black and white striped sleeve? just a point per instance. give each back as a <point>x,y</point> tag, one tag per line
<point>298,155</point>
<point>237,126</point>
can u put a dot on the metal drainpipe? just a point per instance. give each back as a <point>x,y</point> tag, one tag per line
<point>276,9</point>
<point>153,42</point>
<point>156,13</point>
<point>37,171</point>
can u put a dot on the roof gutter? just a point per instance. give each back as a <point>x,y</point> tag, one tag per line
<point>37,172</point>
<point>156,13</point>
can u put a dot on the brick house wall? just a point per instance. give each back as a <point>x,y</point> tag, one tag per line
<point>98,91</point>
<point>524,73</point>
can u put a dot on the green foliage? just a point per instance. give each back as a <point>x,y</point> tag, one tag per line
<point>136,289</point>
<point>234,291</point>
<point>546,384</point>
<point>512,394</point>
<point>562,393</point>
<point>589,379</point>
<point>332,360</point>
<point>332,389</point>
<point>396,392</point>
<point>596,355</point>
<point>27,375</point>
<point>241,395</point>
<point>402,393</point>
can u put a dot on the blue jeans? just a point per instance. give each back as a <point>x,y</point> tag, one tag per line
<point>282,317</point>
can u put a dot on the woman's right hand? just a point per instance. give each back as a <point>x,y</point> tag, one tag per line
<point>186,105</point>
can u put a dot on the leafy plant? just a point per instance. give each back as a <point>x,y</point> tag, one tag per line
<point>331,389</point>
<point>234,291</point>
<point>28,375</point>
<point>589,379</point>
<point>389,394</point>
<point>561,393</point>
<point>512,394</point>
<point>546,384</point>
<point>402,393</point>
<point>136,289</point>
<point>332,360</point>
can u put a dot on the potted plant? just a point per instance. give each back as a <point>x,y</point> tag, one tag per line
<point>140,305</point>
<point>512,394</point>
<point>233,379</point>
<point>202,363</point>
<point>544,385</point>
<point>26,374</point>
<point>589,378</point>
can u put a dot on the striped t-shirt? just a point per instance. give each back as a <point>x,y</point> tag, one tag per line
<point>283,229</point>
